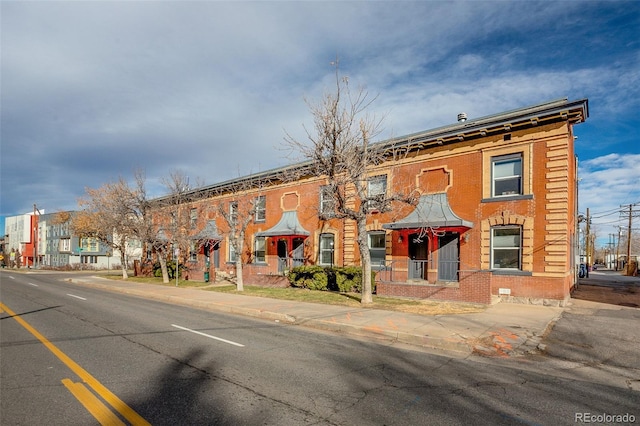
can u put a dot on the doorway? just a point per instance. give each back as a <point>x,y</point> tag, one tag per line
<point>448,256</point>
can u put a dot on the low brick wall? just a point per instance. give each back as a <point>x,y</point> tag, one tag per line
<point>473,287</point>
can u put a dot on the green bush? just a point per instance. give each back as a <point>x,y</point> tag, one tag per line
<point>343,279</point>
<point>310,277</point>
<point>171,269</point>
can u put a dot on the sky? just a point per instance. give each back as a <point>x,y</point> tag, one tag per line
<point>92,91</point>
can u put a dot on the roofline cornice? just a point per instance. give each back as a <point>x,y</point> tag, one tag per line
<point>553,111</point>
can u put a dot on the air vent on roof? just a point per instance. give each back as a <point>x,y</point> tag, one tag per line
<point>462,117</point>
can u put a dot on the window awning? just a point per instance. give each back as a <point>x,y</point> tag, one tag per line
<point>288,225</point>
<point>434,211</point>
<point>209,232</point>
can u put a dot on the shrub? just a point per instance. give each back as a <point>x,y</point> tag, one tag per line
<point>343,279</point>
<point>310,277</point>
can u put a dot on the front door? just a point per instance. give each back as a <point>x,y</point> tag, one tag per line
<point>282,255</point>
<point>418,257</point>
<point>448,257</point>
<point>298,252</point>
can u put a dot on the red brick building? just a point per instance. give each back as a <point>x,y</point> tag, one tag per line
<point>497,214</point>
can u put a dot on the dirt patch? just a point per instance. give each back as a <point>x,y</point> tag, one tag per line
<point>623,295</point>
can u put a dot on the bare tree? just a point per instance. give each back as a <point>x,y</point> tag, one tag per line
<point>340,149</point>
<point>237,214</point>
<point>108,214</point>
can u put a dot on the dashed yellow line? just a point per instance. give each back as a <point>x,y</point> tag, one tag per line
<point>115,402</point>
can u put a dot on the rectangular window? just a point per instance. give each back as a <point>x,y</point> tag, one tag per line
<point>193,251</point>
<point>506,247</point>
<point>193,218</point>
<point>232,253</point>
<point>260,252</point>
<point>377,249</point>
<point>89,244</point>
<point>326,249</point>
<point>506,175</point>
<point>376,191</point>
<point>327,201</point>
<point>261,208</point>
<point>233,213</point>
<point>65,245</point>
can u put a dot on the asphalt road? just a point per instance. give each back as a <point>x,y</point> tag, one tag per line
<point>86,351</point>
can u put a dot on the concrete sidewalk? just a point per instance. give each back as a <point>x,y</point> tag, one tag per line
<point>502,330</point>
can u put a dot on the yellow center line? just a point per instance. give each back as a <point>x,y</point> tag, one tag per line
<point>102,414</point>
<point>122,408</point>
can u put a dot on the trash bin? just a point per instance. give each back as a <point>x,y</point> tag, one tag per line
<point>206,277</point>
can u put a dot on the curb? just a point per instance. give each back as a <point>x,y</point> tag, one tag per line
<point>449,344</point>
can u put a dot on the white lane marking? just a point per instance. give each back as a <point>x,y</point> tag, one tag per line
<point>35,285</point>
<point>12,277</point>
<point>77,297</point>
<point>208,335</point>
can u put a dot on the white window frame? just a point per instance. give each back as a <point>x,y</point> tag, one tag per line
<point>233,212</point>
<point>377,250</point>
<point>232,253</point>
<point>496,248</point>
<point>327,202</point>
<point>193,251</point>
<point>260,208</point>
<point>260,250</point>
<point>65,245</point>
<point>326,256</point>
<point>193,218</point>
<point>503,160</point>
<point>374,191</point>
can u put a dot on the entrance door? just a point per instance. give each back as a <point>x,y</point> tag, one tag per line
<point>298,251</point>
<point>282,255</point>
<point>448,257</point>
<point>418,257</point>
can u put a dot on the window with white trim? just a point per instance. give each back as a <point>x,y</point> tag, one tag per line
<point>327,201</point>
<point>376,191</point>
<point>260,250</point>
<point>260,208</point>
<point>327,243</point>
<point>232,253</point>
<point>193,251</point>
<point>506,175</point>
<point>233,213</point>
<point>65,245</point>
<point>377,249</point>
<point>506,247</point>
<point>193,218</point>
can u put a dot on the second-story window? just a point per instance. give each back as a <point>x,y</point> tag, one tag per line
<point>327,202</point>
<point>506,175</point>
<point>376,191</point>
<point>193,218</point>
<point>261,208</point>
<point>233,213</point>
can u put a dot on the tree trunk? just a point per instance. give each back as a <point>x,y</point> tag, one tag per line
<point>163,267</point>
<point>123,265</point>
<point>365,260</point>
<point>239,280</point>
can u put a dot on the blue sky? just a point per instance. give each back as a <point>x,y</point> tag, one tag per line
<point>91,91</point>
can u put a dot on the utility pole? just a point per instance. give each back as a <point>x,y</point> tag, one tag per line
<point>587,241</point>
<point>627,271</point>
<point>618,248</point>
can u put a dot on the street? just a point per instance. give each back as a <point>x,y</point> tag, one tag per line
<point>75,356</point>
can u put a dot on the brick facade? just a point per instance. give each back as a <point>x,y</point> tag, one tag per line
<point>455,163</point>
